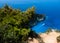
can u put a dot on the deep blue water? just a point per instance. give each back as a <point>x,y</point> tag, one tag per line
<point>51,8</point>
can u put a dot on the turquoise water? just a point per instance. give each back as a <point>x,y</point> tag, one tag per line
<point>51,8</point>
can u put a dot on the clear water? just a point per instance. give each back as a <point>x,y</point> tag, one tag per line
<point>51,8</point>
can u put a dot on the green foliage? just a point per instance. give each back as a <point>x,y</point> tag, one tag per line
<point>15,24</point>
<point>49,30</point>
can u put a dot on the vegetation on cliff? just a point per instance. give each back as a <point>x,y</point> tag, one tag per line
<point>15,25</point>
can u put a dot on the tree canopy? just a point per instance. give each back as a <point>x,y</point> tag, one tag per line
<point>15,25</point>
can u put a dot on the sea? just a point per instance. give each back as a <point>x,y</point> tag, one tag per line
<point>50,8</point>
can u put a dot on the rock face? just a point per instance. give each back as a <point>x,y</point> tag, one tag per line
<point>33,41</point>
<point>51,37</point>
